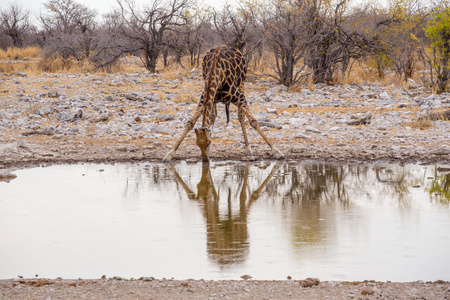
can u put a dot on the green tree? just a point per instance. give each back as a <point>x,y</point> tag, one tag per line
<point>438,31</point>
<point>398,37</point>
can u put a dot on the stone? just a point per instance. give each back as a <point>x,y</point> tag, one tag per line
<point>262,117</point>
<point>302,136</point>
<point>246,277</point>
<point>165,118</point>
<point>305,91</point>
<point>7,176</point>
<point>309,282</point>
<point>152,97</point>
<point>64,117</point>
<point>361,121</point>
<point>335,128</point>
<point>441,151</point>
<point>162,129</point>
<point>53,94</point>
<point>370,95</point>
<point>312,129</point>
<point>297,121</point>
<point>385,96</point>
<point>270,125</point>
<point>133,97</point>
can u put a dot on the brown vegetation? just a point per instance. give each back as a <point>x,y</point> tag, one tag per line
<point>292,41</point>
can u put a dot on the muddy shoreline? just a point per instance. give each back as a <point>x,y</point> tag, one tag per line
<point>190,153</point>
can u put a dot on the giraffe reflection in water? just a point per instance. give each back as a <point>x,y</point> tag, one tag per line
<point>227,235</point>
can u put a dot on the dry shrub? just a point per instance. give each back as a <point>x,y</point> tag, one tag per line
<point>60,65</point>
<point>423,123</point>
<point>187,96</point>
<point>262,65</point>
<point>55,64</point>
<point>174,71</point>
<point>168,110</point>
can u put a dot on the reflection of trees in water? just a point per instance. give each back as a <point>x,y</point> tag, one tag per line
<point>314,183</point>
<point>401,179</point>
<point>140,177</point>
<point>439,187</point>
<point>303,191</point>
<point>397,180</point>
<point>227,232</point>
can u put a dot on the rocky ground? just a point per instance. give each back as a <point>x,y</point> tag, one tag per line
<point>84,117</point>
<point>150,288</point>
<point>67,118</point>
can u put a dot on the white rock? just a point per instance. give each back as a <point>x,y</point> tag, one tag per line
<point>311,129</point>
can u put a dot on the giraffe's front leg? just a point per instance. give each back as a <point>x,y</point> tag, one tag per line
<point>189,125</point>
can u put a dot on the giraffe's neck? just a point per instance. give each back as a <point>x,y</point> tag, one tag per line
<point>211,86</point>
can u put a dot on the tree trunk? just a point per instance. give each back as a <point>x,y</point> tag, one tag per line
<point>150,60</point>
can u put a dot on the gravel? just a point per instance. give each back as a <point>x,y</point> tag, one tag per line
<point>61,118</point>
<point>150,288</point>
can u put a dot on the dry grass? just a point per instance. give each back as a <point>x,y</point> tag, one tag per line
<point>175,71</point>
<point>31,61</point>
<point>14,67</point>
<point>420,123</point>
<point>15,60</point>
<point>189,95</point>
<point>19,53</point>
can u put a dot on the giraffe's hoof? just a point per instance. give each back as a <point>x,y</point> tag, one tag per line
<point>277,154</point>
<point>169,156</point>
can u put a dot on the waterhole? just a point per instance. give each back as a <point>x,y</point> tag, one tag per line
<point>268,220</point>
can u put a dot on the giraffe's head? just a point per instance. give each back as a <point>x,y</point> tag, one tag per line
<point>203,142</point>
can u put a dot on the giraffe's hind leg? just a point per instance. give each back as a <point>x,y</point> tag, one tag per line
<point>246,111</point>
<point>189,125</point>
<point>241,116</point>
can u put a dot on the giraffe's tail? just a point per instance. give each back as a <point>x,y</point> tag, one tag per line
<point>211,87</point>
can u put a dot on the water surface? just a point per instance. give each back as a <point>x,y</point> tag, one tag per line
<point>269,220</point>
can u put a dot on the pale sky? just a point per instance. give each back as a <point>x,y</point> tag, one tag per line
<point>102,6</point>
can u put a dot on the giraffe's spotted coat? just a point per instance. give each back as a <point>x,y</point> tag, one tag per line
<point>224,71</point>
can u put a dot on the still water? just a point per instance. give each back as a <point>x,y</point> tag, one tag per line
<point>266,219</point>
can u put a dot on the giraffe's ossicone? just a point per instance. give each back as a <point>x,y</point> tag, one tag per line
<point>224,71</point>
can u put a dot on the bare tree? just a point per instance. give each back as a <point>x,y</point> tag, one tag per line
<point>236,27</point>
<point>334,44</point>
<point>68,29</point>
<point>15,22</point>
<point>197,23</point>
<point>284,23</point>
<point>110,43</point>
<point>146,29</point>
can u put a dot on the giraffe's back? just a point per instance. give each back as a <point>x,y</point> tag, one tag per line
<point>229,71</point>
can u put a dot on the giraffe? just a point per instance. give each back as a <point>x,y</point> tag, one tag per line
<point>224,71</point>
